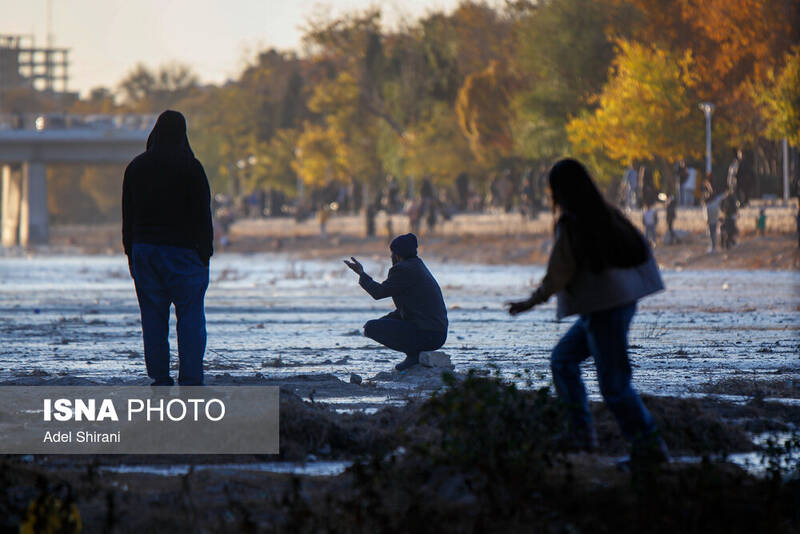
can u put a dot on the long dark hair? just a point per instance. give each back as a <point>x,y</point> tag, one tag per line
<point>600,235</point>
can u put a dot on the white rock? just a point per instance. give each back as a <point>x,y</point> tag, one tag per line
<point>435,359</point>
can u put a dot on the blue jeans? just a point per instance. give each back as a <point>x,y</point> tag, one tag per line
<point>166,275</point>
<point>403,336</point>
<point>604,335</point>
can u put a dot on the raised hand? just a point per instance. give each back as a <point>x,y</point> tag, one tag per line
<point>355,266</point>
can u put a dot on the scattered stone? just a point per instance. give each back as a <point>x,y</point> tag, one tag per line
<point>435,359</point>
<point>355,379</point>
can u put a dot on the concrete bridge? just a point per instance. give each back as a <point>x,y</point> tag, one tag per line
<point>28,144</point>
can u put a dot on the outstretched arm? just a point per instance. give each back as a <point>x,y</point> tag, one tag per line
<point>561,268</point>
<point>393,285</point>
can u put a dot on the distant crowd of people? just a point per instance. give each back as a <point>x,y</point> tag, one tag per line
<point>427,204</point>
<point>721,197</point>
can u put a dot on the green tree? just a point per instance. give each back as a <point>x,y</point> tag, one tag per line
<point>563,49</point>
<point>436,147</point>
<point>103,184</point>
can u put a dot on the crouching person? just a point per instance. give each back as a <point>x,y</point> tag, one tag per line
<point>419,323</point>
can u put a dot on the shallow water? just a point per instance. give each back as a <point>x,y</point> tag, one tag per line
<point>314,469</point>
<point>268,314</point>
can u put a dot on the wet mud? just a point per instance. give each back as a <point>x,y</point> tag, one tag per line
<point>69,320</point>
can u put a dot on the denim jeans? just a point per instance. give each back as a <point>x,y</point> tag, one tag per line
<point>166,275</point>
<point>403,336</point>
<point>604,335</point>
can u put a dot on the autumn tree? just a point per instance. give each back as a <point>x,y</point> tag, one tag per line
<point>435,147</point>
<point>320,156</point>
<point>734,43</point>
<point>647,109</point>
<point>484,114</point>
<point>275,160</point>
<point>778,99</point>
<point>99,100</point>
<point>563,49</point>
<point>146,90</point>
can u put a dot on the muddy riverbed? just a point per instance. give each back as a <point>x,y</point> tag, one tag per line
<point>297,323</point>
<point>717,355</point>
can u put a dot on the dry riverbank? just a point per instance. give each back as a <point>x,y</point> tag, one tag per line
<point>776,251</point>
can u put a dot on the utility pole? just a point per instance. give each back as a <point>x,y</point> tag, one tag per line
<point>707,108</point>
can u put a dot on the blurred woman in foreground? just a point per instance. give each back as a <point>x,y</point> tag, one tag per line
<point>599,268</point>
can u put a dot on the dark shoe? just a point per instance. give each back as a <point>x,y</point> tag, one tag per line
<point>646,453</point>
<point>410,361</point>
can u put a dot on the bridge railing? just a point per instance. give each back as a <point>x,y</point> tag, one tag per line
<point>74,121</point>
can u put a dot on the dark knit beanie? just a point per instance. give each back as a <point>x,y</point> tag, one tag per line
<point>404,246</point>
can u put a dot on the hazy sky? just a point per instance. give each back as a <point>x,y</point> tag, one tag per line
<point>107,38</point>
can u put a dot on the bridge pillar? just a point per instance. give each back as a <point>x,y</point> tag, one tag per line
<point>12,197</point>
<point>33,229</point>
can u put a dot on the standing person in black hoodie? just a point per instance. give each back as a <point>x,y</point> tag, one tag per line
<point>168,238</point>
<point>599,268</point>
<point>420,321</point>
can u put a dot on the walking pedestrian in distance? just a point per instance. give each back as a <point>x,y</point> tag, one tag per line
<point>712,217</point>
<point>650,220</point>
<point>761,222</point>
<point>797,224</point>
<point>671,209</point>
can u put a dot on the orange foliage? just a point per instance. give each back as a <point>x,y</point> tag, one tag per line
<point>732,41</point>
<point>483,112</point>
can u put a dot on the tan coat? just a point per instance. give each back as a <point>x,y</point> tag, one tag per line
<point>580,291</point>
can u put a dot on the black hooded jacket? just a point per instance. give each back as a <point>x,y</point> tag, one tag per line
<point>415,293</point>
<point>166,199</point>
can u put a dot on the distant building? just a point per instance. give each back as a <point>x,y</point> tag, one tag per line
<point>24,66</point>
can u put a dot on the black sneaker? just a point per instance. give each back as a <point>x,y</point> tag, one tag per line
<point>646,453</point>
<point>410,361</point>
